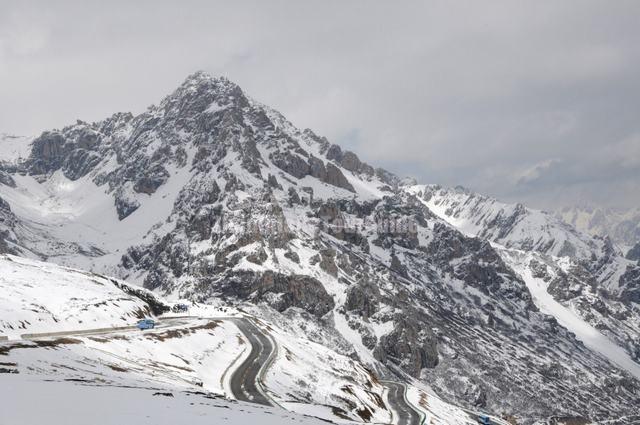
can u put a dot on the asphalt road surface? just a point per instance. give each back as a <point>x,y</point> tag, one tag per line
<point>160,324</point>
<point>407,415</point>
<point>244,380</point>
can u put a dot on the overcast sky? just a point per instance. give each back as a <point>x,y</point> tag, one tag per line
<point>537,101</point>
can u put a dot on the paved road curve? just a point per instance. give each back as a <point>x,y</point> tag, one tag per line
<point>245,379</point>
<point>407,415</point>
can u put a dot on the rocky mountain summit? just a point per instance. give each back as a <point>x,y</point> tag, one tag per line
<point>213,196</point>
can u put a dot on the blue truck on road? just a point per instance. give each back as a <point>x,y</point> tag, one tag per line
<point>484,420</point>
<point>146,324</point>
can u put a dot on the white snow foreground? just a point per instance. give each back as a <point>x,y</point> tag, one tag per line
<point>66,403</point>
<point>40,297</point>
<point>178,372</point>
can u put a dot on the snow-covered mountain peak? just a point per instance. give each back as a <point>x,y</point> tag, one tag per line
<point>201,92</point>
<point>213,196</point>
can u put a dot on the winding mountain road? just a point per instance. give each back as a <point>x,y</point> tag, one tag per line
<point>407,415</point>
<point>245,380</point>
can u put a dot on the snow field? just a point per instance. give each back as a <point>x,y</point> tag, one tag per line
<point>586,333</point>
<point>38,297</point>
<point>73,404</point>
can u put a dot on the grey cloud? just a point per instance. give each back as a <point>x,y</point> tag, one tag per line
<point>466,92</point>
<point>538,172</point>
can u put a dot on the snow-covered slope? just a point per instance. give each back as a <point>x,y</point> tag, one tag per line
<point>14,149</point>
<point>510,225</point>
<point>183,356</point>
<point>42,297</point>
<point>521,262</point>
<point>587,274</point>
<point>70,403</point>
<point>213,197</point>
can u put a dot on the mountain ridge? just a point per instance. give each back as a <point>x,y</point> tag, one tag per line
<point>211,195</point>
<point>623,226</point>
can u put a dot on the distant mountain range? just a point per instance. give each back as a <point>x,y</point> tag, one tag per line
<point>622,226</point>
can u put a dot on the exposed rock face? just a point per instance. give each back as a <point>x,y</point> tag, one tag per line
<point>5,208</point>
<point>327,262</point>
<point>397,266</point>
<point>291,163</point>
<point>4,246</point>
<point>485,270</point>
<point>630,280</point>
<point>282,292</point>
<point>298,167</point>
<point>566,286</point>
<point>317,168</point>
<point>336,178</point>
<point>272,181</point>
<point>348,160</point>
<point>6,179</point>
<point>294,198</point>
<point>48,152</point>
<point>258,257</point>
<point>363,298</point>
<point>150,182</point>
<point>634,253</point>
<point>408,347</point>
<point>7,223</point>
<point>125,206</point>
<point>73,151</point>
<point>291,255</point>
<point>156,305</point>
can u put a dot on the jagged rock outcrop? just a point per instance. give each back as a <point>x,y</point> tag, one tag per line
<point>298,167</point>
<point>634,253</point>
<point>7,223</point>
<point>73,151</point>
<point>281,291</point>
<point>125,206</point>
<point>327,262</point>
<point>348,160</point>
<point>630,280</point>
<point>363,298</point>
<point>408,347</point>
<point>6,179</point>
